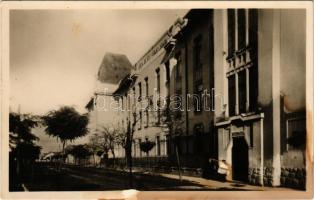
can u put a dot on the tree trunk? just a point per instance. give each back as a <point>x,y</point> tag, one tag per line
<point>18,163</point>
<point>147,165</point>
<point>62,155</point>
<point>94,159</point>
<point>129,159</point>
<point>113,157</point>
<point>178,162</point>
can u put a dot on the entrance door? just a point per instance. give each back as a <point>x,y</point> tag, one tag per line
<point>240,159</point>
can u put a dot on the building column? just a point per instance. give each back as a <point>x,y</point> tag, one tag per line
<point>236,29</point>
<point>236,93</point>
<point>261,171</point>
<point>247,105</point>
<point>276,98</point>
<point>165,148</point>
<point>247,27</point>
<point>225,64</point>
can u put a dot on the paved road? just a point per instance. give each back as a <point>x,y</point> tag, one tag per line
<point>74,178</point>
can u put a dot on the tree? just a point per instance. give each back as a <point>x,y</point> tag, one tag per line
<point>66,124</point>
<point>81,151</point>
<point>170,121</point>
<point>20,127</point>
<point>106,139</point>
<point>24,151</point>
<point>146,147</point>
<point>95,146</point>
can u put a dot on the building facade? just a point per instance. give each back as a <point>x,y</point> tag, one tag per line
<point>230,71</point>
<point>143,94</point>
<point>258,54</point>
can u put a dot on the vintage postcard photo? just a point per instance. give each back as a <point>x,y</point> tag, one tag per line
<point>194,98</point>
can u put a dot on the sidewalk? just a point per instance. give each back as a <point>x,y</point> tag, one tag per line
<point>219,185</point>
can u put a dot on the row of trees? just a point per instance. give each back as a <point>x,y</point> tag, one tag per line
<point>107,138</point>
<point>66,124</point>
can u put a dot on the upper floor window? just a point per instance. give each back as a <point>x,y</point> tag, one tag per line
<point>242,84</point>
<point>158,145</point>
<point>197,52</point>
<point>158,80</point>
<point>197,74</point>
<point>178,66</point>
<point>140,91</point>
<point>167,72</point>
<point>178,102</point>
<point>133,96</point>
<point>122,103</point>
<point>231,95</point>
<point>241,19</point>
<point>231,31</point>
<point>146,87</point>
<point>141,120</point>
<point>242,91</point>
<point>198,99</point>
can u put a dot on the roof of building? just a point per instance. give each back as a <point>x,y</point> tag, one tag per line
<point>113,68</point>
<point>125,84</point>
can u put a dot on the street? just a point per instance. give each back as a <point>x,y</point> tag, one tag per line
<point>77,178</point>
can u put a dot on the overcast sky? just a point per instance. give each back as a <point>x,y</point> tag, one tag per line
<point>55,54</point>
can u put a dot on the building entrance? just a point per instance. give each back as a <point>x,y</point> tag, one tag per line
<point>240,159</point>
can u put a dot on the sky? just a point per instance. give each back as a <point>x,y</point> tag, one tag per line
<point>55,54</point>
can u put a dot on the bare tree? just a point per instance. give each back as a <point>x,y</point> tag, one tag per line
<point>95,146</point>
<point>107,138</point>
<point>170,121</point>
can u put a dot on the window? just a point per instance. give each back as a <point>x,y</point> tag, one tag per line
<point>147,118</point>
<point>253,71</point>
<point>134,119</point>
<point>178,100</point>
<point>253,28</point>
<point>122,102</point>
<point>146,87</point>
<point>158,91</point>
<point>167,72</point>
<point>247,93</point>
<point>198,100</point>
<point>241,29</point>
<point>158,80</point>
<point>141,120</point>
<point>140,91</point>
<point>139,143</point>
<point>296,133</point>
<point>197,53</point>
<point>232,95</point>
<point>134,98</point>
<point>158,145</point>
<point>178,67</point>
<point>127,101</point>
<point>134,148</point>
<point>231,32</point>
<point>242,91</point>
<point>148,101</point>
<point>197,74</point>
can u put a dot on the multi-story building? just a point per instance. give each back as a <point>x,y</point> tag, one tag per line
<point>192,77</point>
<point>141,94</point>
<point>259,70</point>
<point>112,68</point>
<point>240,78</point>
